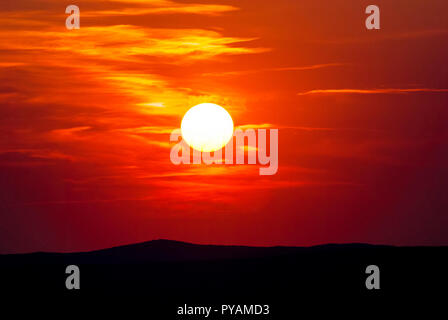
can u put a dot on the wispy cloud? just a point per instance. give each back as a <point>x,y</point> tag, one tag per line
<point>255,126</point>
<point>150,130</point>
<point>371,91</point>
<point>11,64</point>
<point>25,157</point>
<point>413,34</point>
<point>276,69</point>
<point>129,43</point>
<point>111,8</point>
<point>298,128</point>
<point>165,7</point>
<point>69,133</point>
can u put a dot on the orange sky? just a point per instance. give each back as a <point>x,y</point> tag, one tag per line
<point>86,116</point>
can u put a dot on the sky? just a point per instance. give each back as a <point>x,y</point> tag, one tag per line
<point>85,119</point>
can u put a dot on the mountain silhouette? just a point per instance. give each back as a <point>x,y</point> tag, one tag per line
<point>181,272</point>
<point>168,250</point>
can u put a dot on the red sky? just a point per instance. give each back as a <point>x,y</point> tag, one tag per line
<point>85,117</point>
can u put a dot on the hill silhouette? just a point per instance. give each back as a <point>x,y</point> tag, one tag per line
<point>181,272</point>
<point>163,250</point>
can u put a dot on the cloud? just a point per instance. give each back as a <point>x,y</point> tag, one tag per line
<point>255,126</point>
<point>128,43</point>
<point>277,69</point>
<point>371,91</point>
<point>31,157</point>
<point>70,131</point>
<point>409,35</point>
<point>112,65</point>
<point>110,8</point>
<point>167,7</point>
<point>298,128</point>
<point>153,104</point>
<point>11,64</point>
<point>149,129</point>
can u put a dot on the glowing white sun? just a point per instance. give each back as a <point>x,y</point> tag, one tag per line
<point>207,127</point>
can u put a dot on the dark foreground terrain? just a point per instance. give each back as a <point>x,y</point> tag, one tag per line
<point>163,275</point>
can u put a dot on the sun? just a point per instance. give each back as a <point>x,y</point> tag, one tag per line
<point>207,127</point>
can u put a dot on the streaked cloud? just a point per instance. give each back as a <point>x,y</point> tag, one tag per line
<point>255,126</point>
<point>277,69</point>
<point>380,37</point>
<point>151,130</point>
<point>372,91</point>
<point>11,64</point>
<point>163,7</point>
<point>129,43</point>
